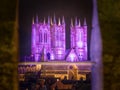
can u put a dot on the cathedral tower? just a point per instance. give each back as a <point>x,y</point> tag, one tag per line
<point>41,41</point>
<point>58,38</point>
<point>79,39</point>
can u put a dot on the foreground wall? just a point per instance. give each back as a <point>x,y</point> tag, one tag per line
<point>8,45</point>
<point>96,51</point>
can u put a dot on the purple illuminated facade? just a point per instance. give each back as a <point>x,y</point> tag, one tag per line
<point>79,39</point>
<point>49,42</point>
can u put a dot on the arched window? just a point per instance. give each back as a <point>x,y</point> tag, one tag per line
<point>45,37</point>
<point>40,37</point>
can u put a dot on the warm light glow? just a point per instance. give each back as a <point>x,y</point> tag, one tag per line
<point>38,67</point>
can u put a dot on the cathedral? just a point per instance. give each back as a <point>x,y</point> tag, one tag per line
<point>48,48</point>
<point>49,40</point>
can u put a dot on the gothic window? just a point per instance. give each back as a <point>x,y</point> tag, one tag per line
<point>40,37</point>
<point>80,35</point>
<point>45,37</point>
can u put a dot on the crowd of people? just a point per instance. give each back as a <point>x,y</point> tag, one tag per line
<point>54,84</point>
<point>38,84</point>
<point>22,69</point>
<point>34,81</point>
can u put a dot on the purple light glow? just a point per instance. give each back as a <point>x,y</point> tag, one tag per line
<point>50,37</point>
<point>52,57</point>
<point>59,52</point>
<point>37,57</point>
<point>72,56</point>
<point>80,44</point>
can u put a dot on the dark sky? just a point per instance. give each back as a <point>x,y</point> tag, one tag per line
<point>69,8</point>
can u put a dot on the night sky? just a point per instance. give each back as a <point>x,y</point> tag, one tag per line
<point>69,8</point>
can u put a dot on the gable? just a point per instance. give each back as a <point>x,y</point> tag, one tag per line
<point>72,56</point>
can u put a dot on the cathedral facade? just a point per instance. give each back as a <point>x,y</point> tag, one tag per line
<point>49,40</point>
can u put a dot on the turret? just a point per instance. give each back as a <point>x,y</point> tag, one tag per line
<point>79,23</point>
<point>54,19</point>
<point>59,22</point>
<point>48,20</point>
<point>71,22</point>
<point>72,37</point>
<point>85,24</point>
<point>37,19</point>
<point>76,21</point>
<point>33,20</point>
<point>51,21</point>
<point>33,33</point>
<point>33,38</point>
<point>63,20</point>
<point>44,21</point>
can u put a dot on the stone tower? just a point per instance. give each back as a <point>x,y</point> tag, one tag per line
<point>58,39</point>
<point>79,39</point>
<point>48,39</point>
<point>41,39</point>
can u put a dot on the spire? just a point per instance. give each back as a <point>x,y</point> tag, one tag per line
<point>44,21</point>
<point>54,20</point>
<point>48,19</point>
<point>76,21</point>
<point>36,18</point>
<point>51,21</point>
<point>59,22</point>
<point>63,20</point>
<point>85,24</point>
<point>33,20</point>
<point>71,22</point>
<point>79,23</point>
